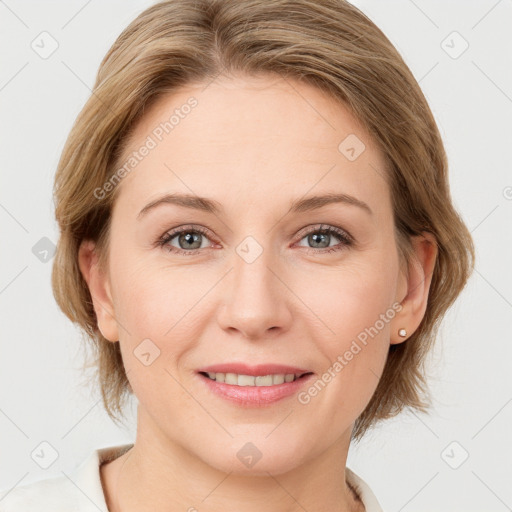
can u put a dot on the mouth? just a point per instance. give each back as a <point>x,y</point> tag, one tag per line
<point>236,379</point>
<point>252,386</point>
<point>256,386</point>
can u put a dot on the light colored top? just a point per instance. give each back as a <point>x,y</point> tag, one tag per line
<point>81,489</point>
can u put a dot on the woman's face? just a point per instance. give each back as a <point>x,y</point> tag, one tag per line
<point>259,283</point>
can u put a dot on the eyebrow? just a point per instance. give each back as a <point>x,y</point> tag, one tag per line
<point>211,206</point>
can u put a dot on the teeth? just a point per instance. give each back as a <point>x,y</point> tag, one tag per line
<point>278,379</point>
<point>250,380</point>
<point>231,378</point>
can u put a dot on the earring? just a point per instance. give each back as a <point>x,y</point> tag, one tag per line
<point>402,332</point>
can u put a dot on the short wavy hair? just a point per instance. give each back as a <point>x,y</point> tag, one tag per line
<point>329,44</point>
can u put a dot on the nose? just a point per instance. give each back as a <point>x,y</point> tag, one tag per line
<point>255,299</point>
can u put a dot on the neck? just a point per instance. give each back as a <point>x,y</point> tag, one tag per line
<point>158,474</point>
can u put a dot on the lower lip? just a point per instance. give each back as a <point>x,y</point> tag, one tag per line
<point>255,396</point>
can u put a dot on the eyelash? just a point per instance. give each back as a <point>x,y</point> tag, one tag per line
<point>346,239</point>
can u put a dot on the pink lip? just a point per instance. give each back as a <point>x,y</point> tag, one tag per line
<point>255,371</point>
<point>255,396</point>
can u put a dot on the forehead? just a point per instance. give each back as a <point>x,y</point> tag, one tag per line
<point>259,137</point>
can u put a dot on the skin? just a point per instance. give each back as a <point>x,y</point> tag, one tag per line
<point>254,145</point>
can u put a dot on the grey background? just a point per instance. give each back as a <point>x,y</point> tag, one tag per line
<point>408,461</point>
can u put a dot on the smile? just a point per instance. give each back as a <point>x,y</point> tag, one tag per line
<point>251,391</point>
<point>251,380</point>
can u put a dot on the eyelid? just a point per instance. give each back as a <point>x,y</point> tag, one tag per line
<point>171,233</point>
<point>340,232</point>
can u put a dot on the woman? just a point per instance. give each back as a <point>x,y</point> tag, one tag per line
<point>258,238</point>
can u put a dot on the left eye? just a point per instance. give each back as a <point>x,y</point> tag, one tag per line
<point>322,234</point>
<point>191,238</point>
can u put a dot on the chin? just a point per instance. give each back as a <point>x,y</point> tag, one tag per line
<point>256,456</point>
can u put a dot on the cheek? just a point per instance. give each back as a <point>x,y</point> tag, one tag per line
<point>355,310</point>
<point>153,297</point>
<point>351,298</point>
<point>163,305</point>
<point>154,307</point>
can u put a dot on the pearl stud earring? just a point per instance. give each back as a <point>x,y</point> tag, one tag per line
<point>402,332</point>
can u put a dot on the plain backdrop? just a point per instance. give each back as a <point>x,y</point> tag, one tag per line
<point>456,458</point>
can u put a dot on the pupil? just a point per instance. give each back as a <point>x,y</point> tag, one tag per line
<point>191,238</point>
<point>315,237</point>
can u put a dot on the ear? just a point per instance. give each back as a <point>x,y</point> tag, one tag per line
<point>417,285</point>
<point>99,287</point>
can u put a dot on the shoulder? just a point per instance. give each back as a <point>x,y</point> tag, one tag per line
<point>79,491</point>
<point>51,494</point>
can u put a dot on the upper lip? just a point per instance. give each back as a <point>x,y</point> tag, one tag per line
<point>256,370</point>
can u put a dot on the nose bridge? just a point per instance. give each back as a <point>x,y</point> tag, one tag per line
<point>255,300</point>
<point>251,274</point>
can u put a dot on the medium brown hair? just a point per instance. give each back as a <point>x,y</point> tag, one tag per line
<point>329,44</point>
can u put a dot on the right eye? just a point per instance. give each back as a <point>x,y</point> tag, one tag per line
<point>190,237</point>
